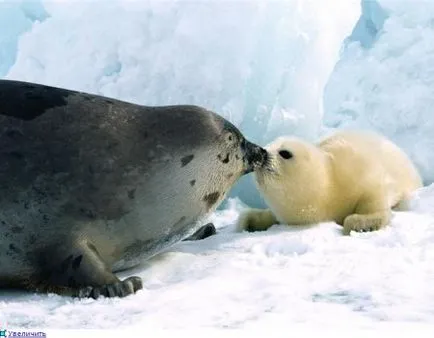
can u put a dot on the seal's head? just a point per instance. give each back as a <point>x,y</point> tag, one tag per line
<point>248,156</point>
<point>212,153</point>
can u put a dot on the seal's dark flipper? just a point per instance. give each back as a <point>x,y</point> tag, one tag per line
<point>118,289</point>
<point>79,271</point>
<point>206,231</point>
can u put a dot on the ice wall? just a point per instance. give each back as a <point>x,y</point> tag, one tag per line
<point>16,17</point>
<point>261,64</point>
<point>385,79</point>
<point>369,25</point>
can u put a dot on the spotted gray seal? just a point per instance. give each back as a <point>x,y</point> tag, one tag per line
<point>90,185</point>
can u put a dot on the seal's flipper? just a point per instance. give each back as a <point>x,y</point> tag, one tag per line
<point>205,231</point>
<point>118,289</point>
<point>79,271</point>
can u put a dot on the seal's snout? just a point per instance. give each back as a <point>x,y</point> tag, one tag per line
<point>255,156</point>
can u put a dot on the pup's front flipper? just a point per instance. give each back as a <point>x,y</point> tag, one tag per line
<point>256,220</point>
<point>78,270</point>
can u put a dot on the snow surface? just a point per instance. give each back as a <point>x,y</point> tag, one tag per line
<point>284,276</point>
<point>272,68</point>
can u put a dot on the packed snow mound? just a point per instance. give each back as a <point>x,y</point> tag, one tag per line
<point>280,277</point>
<point>261,64</point>
<point>388,85</point>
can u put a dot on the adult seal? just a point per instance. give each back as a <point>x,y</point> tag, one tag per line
<point>90,186</point>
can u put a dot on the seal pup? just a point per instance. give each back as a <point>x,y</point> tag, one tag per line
<point>355,178</point>
<point>90,185</point>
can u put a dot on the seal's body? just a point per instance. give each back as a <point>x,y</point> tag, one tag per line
<point>354,178</point>
<point>91,185</point>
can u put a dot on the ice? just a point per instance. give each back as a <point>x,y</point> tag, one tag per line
<point>388,86</point>
<point>16,18</point>
<point>369,25</point>
<point>262,65</point>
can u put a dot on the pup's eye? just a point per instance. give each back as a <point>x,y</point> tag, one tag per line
<point>285,154</point>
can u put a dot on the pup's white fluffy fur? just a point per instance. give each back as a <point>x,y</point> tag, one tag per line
<point>354,178</point>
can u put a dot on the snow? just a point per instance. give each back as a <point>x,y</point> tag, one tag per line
<point>283,276</point>
<point>273,68</point>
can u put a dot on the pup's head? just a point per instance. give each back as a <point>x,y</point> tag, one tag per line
<point>290,161</point>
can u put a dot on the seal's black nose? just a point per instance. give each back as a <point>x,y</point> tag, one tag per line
<point>255,156</point>
<point>264,155</point>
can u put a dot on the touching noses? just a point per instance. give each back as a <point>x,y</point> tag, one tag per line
<point>255,156</point>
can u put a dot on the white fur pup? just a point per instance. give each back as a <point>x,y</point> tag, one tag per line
<point>354,178</point>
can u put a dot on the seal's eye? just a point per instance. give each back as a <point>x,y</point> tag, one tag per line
<point>285,154</point>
